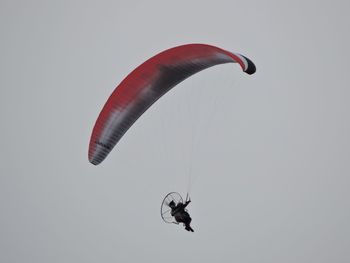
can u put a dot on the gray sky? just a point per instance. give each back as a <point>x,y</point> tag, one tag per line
<point>270,170</point>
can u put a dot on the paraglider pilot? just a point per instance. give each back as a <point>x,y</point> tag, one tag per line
<point>181,215</point>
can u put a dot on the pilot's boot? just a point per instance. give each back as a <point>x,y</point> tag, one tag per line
<point>188,228</point>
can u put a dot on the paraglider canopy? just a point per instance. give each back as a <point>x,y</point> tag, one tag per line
<point>146,84</point>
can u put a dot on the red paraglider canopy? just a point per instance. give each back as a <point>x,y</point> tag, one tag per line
<point>146,84</point>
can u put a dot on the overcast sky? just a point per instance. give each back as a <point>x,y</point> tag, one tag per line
<point>267,154</point>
